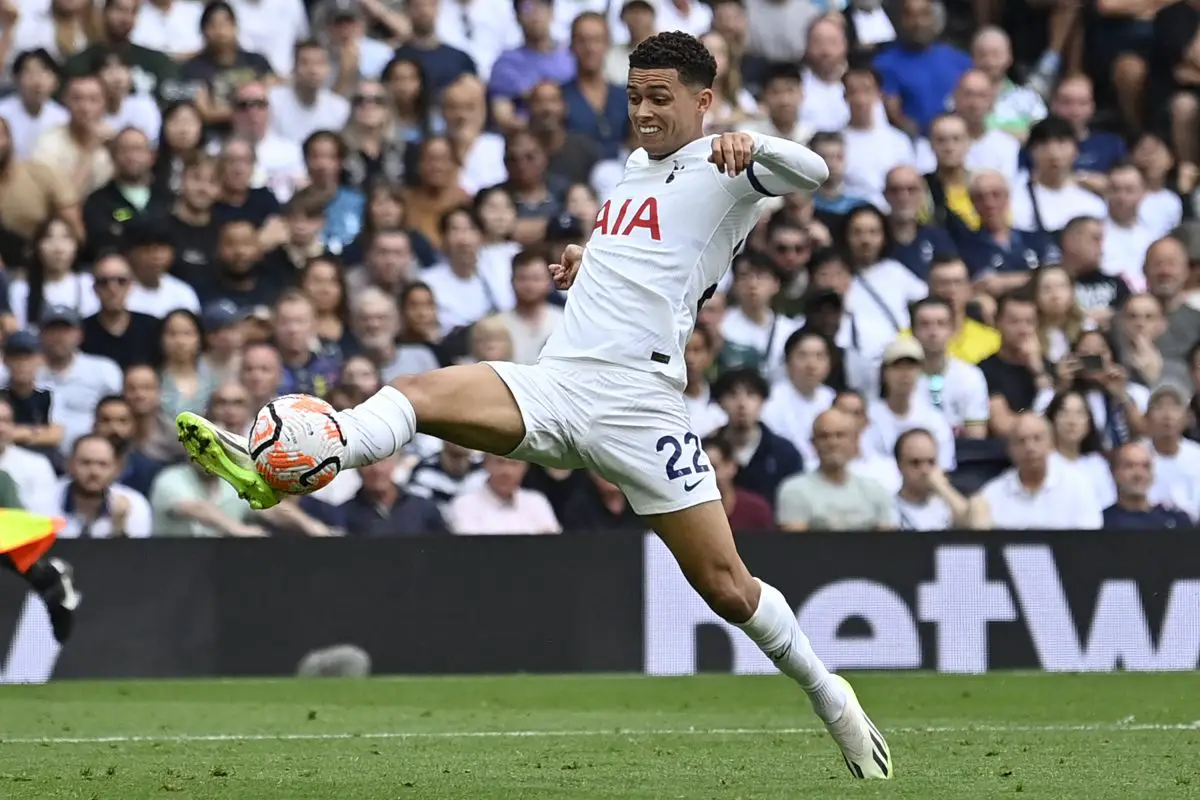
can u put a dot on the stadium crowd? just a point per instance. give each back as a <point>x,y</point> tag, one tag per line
<point>989,316</point>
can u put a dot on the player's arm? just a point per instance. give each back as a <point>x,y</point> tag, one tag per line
<point>771,166</point>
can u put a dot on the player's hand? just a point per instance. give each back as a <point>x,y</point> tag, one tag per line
<point>564,273</point>
<point>732,153</point>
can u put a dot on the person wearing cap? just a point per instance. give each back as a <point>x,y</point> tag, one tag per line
<point>1176,459</point>
<point>150,251</point>
<point>130,196</point>
<point>442,63</point>
<point>900,407</point>
<point>221,321</point>
<point>114,332</point>
<point>76,380</point>
<point>305,106</point>
<point>35,427</point>
<point>1133,473</point>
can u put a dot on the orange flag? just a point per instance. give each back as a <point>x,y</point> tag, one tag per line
<point>26,537</point>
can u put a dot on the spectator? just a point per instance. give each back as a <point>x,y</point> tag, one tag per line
<point>31,111</point>
<point>150,250</point>
<point>1166,271</point>
<point>790,248</point>
<point>341,27</point>
<point>223,340</point>
<point>595,104</point>
<point>1161,209</point>
<point>972,341</point>
<point>238,198</point>
<point>442,63</point>
<point>122,107</point>
<point>187,501</point>
<point>1141,323</point>
<point>388,263</point>
<point>913,243</point>
<point>1099,151</point>
<point>883,470</point>
<point>500,505</point>
<point>169,27</point>
<point>1060,318</point>
<point>731,20</point>
<point>480,28</point>
<point>1033,494</point>
<point>990,148</point>
<point>873,146</point>
<point>279,162</point>
<point>518,70</point>
<point>155,70</point>
<point>824,105</point>
<point>592,503</point>
<point>919,73</point>
<point>323,283</point>
<point>214,74</point>
<point>955,388</point>
<point>698,356</point>
<point>1016,108</point>
<point>926,500</point>
<point>308,367</point>
<point>271,28</point>
<point>570,155</point>
<point>1052,196</point>
<point>801,396</point>
<point>637,24</point>
<point>764,458</point>
<point>1176,460</point>
<point>882,286</point>
<point>186,380</point>
<point>496,214</point>
<point>192,228</point>
<point>181,141</point>
<point>76,380</point>
<point>901,408</point>
<point>306,106</point>
<point>36,426</point>
<point>833,497</point>
<point>998,255</point>
<point>383,508</point>
<point>480,152</point>
<point>373,151</point>
<point>1017,371</point>
<point>93,504</point>
<point>241,276</point>
<point>732,104</point>
<point>783,95</point>
<point>754,335</point>
<point>532,319</point>
<point>858,340</point>
<point>746,510</point>
<point>948,202</point>
<point>50,279</point>
<point>1116,404</point>
<point>76,151</point>
<point>115,422</point>
<point>127,197</point>
<point>377,326</point>
<point>114,332</point>
<point>537,194</point>
<point>261,374</point>
<point>1126,238</point>
<point>303,218</point>
<point>1078,446</point>
<point>463,294</point>
<point>1098,294</point>
<point>1133,472</point>
<point>445,476</point>
<point>410,101</point>
<point>154,432</point>
<point>436,190</point>
<point>324,153</point>
<point>488,340</point>
<point>833,200</point>
<point>31,471</point>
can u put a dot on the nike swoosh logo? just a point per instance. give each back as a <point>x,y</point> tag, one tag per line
<point>687,487</point>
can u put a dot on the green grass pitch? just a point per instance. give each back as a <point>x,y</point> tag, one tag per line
<point>1126,736</point>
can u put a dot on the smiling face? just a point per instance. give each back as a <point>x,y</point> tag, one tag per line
<point>665,113</point>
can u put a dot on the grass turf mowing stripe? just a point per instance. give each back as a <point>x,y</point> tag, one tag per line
<point>1114,727</point>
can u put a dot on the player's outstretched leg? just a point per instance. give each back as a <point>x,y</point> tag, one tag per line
<point>54,581</point>
<point>468,405</point>
<point>702,543</point>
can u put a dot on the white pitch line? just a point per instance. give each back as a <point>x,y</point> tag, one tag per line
<point>552,734</point>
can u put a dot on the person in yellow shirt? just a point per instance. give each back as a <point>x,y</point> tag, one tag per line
<point>973,341</point>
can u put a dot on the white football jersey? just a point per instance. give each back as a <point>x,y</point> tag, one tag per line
<point>660,245</point>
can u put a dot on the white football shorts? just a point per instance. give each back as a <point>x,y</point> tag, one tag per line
<point>631,427</point>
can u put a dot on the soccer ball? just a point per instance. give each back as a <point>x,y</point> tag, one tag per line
<point>297,444</point>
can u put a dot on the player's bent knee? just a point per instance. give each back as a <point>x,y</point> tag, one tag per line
<point>730,594</point>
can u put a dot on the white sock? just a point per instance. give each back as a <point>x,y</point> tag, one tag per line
<point>774,628</point>
<point>378,427</point>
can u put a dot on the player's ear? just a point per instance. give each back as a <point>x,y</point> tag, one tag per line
<point>704,100</point>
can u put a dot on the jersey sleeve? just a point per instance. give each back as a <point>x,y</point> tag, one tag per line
<point>780,167</point>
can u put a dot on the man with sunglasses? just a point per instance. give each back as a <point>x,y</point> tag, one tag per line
<point>279,162</point>
<point>127,337</point>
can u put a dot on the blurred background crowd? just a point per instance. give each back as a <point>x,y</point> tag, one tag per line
<point>988,316</point>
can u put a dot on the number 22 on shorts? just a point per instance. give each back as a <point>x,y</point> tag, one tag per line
<point>674,471</point>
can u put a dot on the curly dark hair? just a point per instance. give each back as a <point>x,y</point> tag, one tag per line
<point>678,51</point>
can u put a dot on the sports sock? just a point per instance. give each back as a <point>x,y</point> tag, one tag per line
<point>378,427</point>
<point>774,628</point>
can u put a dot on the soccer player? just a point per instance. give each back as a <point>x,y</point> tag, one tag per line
<point>606,393</point>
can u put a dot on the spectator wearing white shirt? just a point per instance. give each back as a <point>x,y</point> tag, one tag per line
<point>1162,208</point>
<point>753,334</point>
<point>900,408</point>
<point>272,27</point>
<point>93,505</point>
<point>123,107</point>
<point>50,278</point>
<point>1126,237</point>
<point>698,356</point>
<point>76,380</point>
<point>883,288</point>
<point>1176,459</point>
<point>532,319</point>
<point>169,26</point>
<point>1034,494</point>
<point>278,162</point>
<point>482,29</point>
<point>500,505</point>
<point>1051,198</point>
<point>873,146</point>
<point>149,247</point>
<point>783,94</point>
<point>796,400</point>
<point>825,58</point>
<point>1077,444</point>
<point>926,500</point>
<point>464,108</point>
<point>307,106</point>
<point>882,469</point>
<point>464,295</point>
<point>955,388</point>
<point>991,148</point>
<point>30,111</point>
<point>31,472</point>
<point>1117,404</point>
